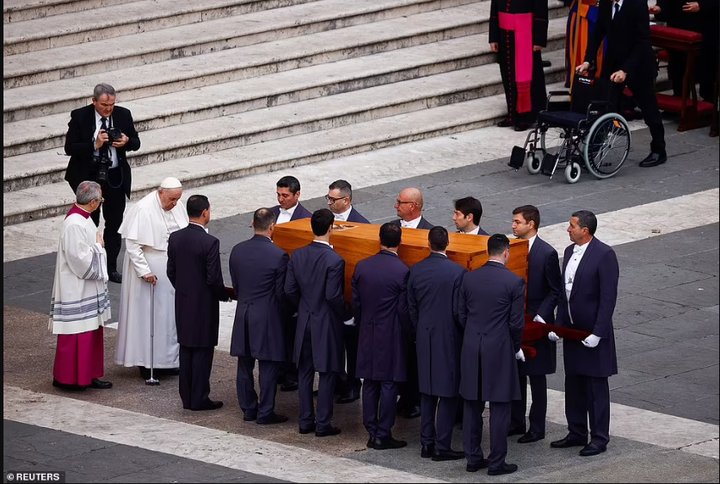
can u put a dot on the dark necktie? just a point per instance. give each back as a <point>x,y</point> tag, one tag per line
<point>104,148</point>
<point>617,9</point>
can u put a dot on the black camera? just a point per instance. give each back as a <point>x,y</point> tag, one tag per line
<point>114,135</point>
<point>103,163</point>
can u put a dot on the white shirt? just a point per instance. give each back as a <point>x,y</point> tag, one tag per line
<point>619,4</point>
<point>323,242</point>
<point>203,227</point>
<point>343,216</point>
<point>531,241</point>
<point>98,126</point>
<point>472,232</point>
<point>412,224</point>
<point>571,269</point>
<point>285,215</point>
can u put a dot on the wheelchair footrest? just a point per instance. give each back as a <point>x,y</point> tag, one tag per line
<point>517,158</point>
<point>549,162</point>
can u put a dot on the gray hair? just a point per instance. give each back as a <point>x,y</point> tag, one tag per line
<point>102,89</point>
<point>343,187</point>
<point>87,191</point>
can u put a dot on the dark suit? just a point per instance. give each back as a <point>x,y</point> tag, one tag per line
<point>433,292</point>
<point>258,268</point>
<point>481,231</point>
<point>491,311</point>
<point>356,217</point>
<point>424,224</point>
<point>543,286</point>
<point>379,301</point>
<point>592,303</point>
<point>315,283</point>
<point>299,213</point>
<point>629,49</point>
<point>80,147</point>
<point>194,271</point>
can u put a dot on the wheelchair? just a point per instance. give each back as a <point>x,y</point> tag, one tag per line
<point>590,135</point>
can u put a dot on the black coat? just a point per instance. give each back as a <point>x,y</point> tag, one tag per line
<point>80,147</point>
<point>194,271</point>
<point>258,268</point>
<point>356,217</point>
<point>433,301</point>
<point>300,212</point>
<point>424,224</point>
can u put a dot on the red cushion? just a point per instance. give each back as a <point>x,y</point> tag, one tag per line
<point>658,31</point>
<point>663,55</point>
<point>674,104</point>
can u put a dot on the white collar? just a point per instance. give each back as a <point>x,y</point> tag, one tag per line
<point>580,249</point>
<point>412,224</point>
<point>323,242</point>
<point>473,231</point>
<point>531,241</point>
<point>344,215</point>
<point>203,227</point>
<point>289,210</point>
<point>98,119</point>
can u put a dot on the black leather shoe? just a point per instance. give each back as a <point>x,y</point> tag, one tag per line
<point>515,431</point>
<point>100,384</point>
<point>274,418</point>
<point>115,277</point>
<point>567,442</point>
<point>441,455</point>
<point>307,430</point>
<point>66,386</point>
<point>370,442</point>
<point>654,159</point>
<point>546,63</point>
<point>412,412</point>
<point>250,417</point>
<point>427,451</point>
<point>483,464</point>
<point>531,437</point>
<point>209,405</point>
<point>388,443</point>
<point>505,123</point>
<point>327,432</point>
<point>504,469</point>
<point>591,449</point>
<point>289,386</point>
<point>522,126</point>
<point>349,396</point>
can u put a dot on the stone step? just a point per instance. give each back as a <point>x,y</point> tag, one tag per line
<point>205,37</point>
<point>54,198</point>
<point>126,19</point>
<point>31,135</point>
<point>20,10</point>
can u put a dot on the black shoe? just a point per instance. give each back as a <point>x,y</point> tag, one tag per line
<point>67,386</point>
<point>250,417</point>
<point>388,443</point>
<point>307,430</point>
<point>115,277</point>
<point>166,372</point>
<point>546,63</point>
<point>483,464</point>
<point>441,455</point>
<point>530,437</point>
<point>427,451</point>
<point>327,432</point>
<point>591,449</point>
<point>504,469</point>
<point>370,442</point>
<point>209,405</point>
<point>315,393</point>
<point>289,386</point>
<point>274,418</point>
<point>567,442</point>
<point>654,159</point>
<point>522,126</point>
<point>349,397</point>
<point>100,384</point>
<point>412,412</point>
<point>505,123</point>
<point>515,431</point>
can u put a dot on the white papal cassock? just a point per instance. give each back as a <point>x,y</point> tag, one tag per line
<point>146,228</point>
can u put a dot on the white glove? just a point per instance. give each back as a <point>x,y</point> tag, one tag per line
<point>553,337</point>
<point>520,355</point>
<point>349,322</point>
<point>539,319</point>
<point>591,341</point>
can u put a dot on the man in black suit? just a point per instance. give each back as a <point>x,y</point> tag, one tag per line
<point>258,268</point>
<point>88,141</point>
<point>315,283</point>
<point>467,215</point>
<point>629,60</point>
<point>194,270</point>
<point>339,200</point>
<point>433,291</point>
<point>590,276</point>
<point>289,209</point>
<point>409,207</point>
<point>543,287</point>
<point>491,311</point>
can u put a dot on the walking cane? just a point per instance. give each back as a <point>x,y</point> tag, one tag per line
<point>152,381</point>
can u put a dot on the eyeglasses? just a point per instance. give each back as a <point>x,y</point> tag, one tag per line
<point>332,199</point>
<point>101,200</point>
<point>400,202</point>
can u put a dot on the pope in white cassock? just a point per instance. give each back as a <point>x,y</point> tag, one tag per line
<point>146,229</point>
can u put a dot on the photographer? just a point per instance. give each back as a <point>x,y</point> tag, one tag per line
<point>98,137</point>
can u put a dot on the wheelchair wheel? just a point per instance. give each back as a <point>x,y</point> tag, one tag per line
<point>552,140</point>
<point>534,162</point>
<point>607,145</point>
<point>572,172</point>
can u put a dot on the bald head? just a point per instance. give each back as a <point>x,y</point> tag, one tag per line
<point>413,194</point>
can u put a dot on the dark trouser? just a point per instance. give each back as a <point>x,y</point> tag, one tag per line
<point>113,209</point>
<point>247,397</point>
<point>350,338</point>
<point>643,90</point>
<point>588,395</point>
<point>289,370</point>
<point>326,390</point>
<point>195,368</point>
<point>379,407</point>
<point>446,410</point>
<point>410,390</point>
<point>473,430</point>
<point>538,409</point>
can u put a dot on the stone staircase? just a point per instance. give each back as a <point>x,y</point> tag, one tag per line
<point>221,89</point>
